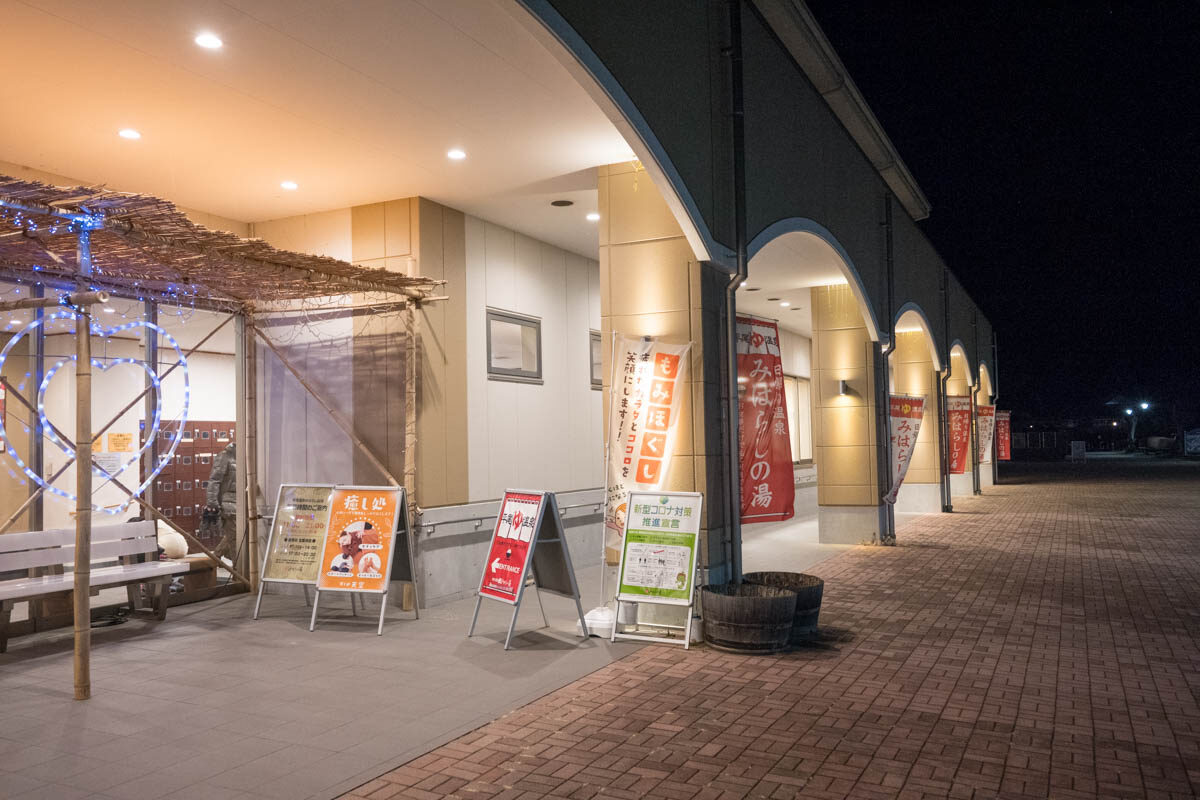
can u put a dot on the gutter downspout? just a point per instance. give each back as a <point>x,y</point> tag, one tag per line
<point>887,536</point>
<point>943,413</point>
<point>737,112</point>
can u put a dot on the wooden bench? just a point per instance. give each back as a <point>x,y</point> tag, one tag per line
<point>134,544</point>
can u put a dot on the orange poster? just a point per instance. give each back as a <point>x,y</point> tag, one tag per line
<point>360,539</point>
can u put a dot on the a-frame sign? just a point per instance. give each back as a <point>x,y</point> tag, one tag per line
<point>528,541</point>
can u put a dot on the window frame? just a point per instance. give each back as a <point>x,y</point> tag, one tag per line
<point>504,373</point>
<point>594,336</point>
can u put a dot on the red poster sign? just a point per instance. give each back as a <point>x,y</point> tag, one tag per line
<point>768,483</point>
<point>508,557</point>
<point>958,411</point>
<point>1004,435</point>
<point>905,413</point>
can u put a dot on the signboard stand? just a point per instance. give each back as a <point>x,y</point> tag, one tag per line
<point>363,511</point>
<point>515,559</point>
<point>294,543</point>
<point>658,558</point>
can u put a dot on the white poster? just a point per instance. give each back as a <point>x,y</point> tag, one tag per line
<point>649,380</point>
<point>904,423</point>
<point>985,421</point>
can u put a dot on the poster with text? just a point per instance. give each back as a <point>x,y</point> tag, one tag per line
<point>1004,435</point>
<point>297,534</point>
<point>508,557</point>
<point>658,556</point>
<point>768,480</point>
<point>360,539</point>
<point>958,413</point>
<point>904,423</point>
<point>985,418</point>
<point>649,381</point>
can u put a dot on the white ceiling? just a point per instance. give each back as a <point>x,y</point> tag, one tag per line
<point>784,271</point>
<point>356,103</point>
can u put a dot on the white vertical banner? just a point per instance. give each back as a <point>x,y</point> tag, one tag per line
<point>649,380</point>
<point>905,412</point>
<point>985,421</point>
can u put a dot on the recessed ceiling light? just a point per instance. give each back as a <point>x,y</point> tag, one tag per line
<point>742,285</point>
<point>209,41</point>
<point>798,308</point>
<point>128,133</point>
<point>593,217</point>
<point>456,154</point>
<point>291,186</point>
<point>562,203</point>
<point>772,299</point>
<point>109,310</point>
<point>785,304</point>
<point>753,289</point>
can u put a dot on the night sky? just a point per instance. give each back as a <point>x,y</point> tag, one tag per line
<point>1059,146</point>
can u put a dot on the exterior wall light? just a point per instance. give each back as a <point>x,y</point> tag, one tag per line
<point>843,388</point>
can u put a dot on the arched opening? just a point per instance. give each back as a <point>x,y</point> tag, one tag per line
<point>961,438</point>
<point>802,284</point>
<point>913,368</point>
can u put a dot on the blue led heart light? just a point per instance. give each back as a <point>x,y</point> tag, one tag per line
<point>156,423</point>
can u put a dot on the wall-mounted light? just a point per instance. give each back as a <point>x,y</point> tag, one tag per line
<point>843,388</point>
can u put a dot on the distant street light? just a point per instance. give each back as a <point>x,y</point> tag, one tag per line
<point>1145,405</point>
<point>1129,411</point>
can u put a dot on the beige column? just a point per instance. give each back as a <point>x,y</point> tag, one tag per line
<point>960,384</point>
<point>913,372</point>
<point>652,285</point>
<point>983,396</point>
<point>844,438</point>
<point>414,235</point>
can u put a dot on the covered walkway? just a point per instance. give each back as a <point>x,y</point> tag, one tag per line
<point>1044,640</point>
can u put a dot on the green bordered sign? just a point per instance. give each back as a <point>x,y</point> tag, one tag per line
<point>658,553</point>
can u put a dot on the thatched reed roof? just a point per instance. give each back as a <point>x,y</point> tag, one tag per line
<point>144,244</point>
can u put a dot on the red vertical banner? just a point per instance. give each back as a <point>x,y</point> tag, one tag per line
<point>958,412</point>
<point>768,482</point>
<point>905,413</point>
<point>1004,436</point>
<point>985,418</point>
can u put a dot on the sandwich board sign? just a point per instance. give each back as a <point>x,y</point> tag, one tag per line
<point>658,556</point>
<point>297,533</point>
<point>336,538</point>
<point>527,542</point>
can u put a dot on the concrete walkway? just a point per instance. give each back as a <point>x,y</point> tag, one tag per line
<point>1044,641</point>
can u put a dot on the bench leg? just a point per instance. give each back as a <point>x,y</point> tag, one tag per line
<point>6,607</point>
<point>161,596</point>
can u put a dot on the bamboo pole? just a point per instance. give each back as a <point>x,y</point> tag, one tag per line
<point>251,441</point>
<point>81,299</point>
<point>83,506</point>
<point>338,417</point>
<point>240,466</point>
<point>41,489</point>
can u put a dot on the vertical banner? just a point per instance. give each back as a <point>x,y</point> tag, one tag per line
<point>508,557</point>
<point>360,539</point>
<point>958,412</point>
<point>1004,436</point>
<point>649,380</point>
<point>3,417</point>
<point>905,413</point>
<point>768,482</point>
<point>985,419</point>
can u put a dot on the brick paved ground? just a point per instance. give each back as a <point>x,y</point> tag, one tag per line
<point>1045,642</point>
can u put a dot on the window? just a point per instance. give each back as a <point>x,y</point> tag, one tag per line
<point>799,407</point>
<point>514,347</point>
<point>597,360</point>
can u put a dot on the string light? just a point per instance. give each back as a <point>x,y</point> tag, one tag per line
<point>151,438</point>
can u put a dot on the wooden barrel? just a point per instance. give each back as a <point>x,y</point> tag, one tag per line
<point>809,590</point>
<point>748,618</point>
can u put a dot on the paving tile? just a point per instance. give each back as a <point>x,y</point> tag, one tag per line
<point>1043,641</point>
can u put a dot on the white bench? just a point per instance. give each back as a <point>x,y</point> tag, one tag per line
<point>55,549</point>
